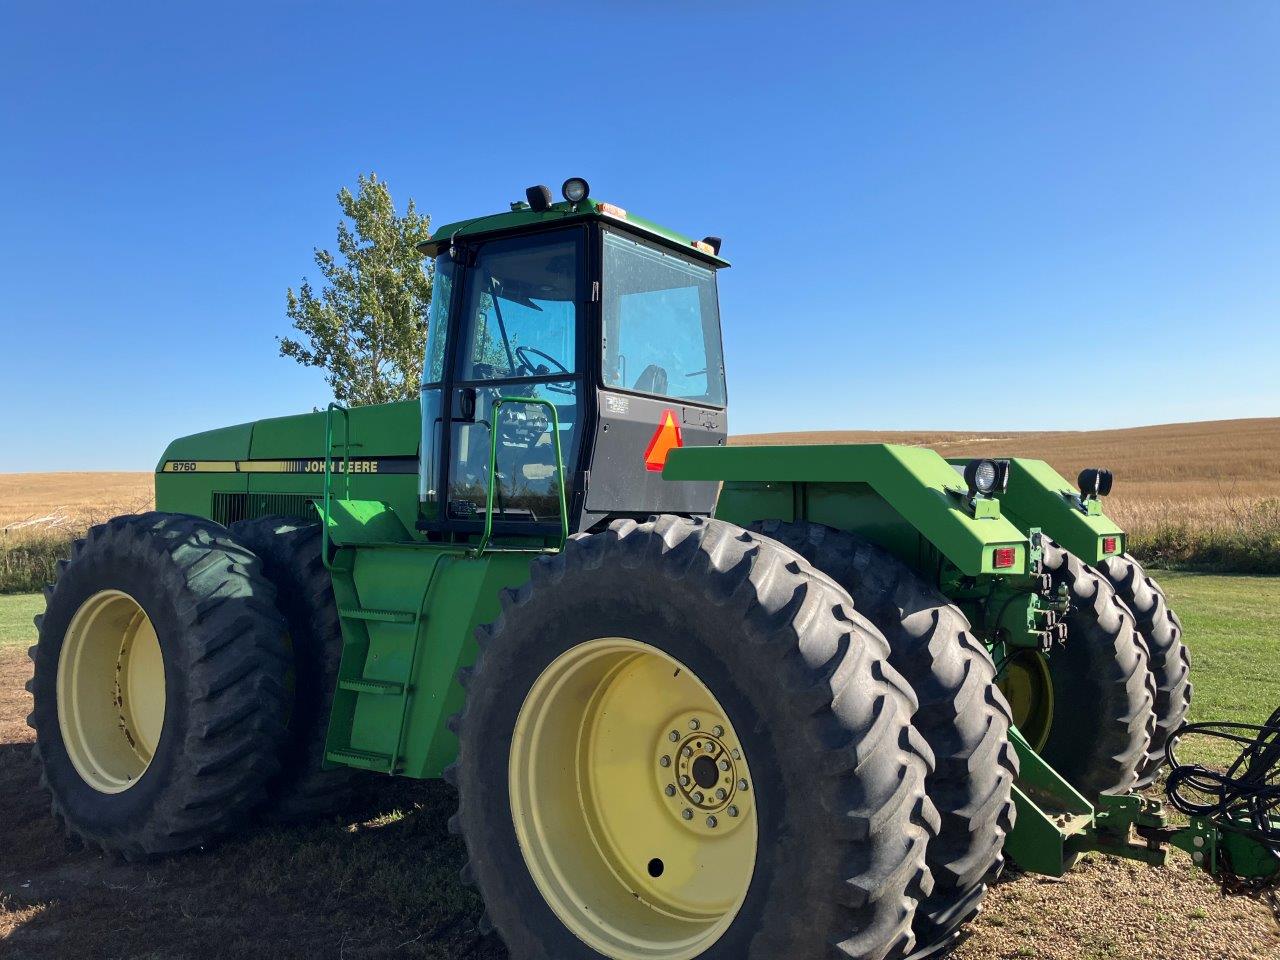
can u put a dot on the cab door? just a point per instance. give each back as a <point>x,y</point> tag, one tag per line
<point>519,335</point>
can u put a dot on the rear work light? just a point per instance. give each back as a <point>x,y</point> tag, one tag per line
<point>1109,544</point>
<point>1004,557</point>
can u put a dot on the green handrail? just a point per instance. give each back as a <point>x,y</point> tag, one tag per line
<point>498,404</point>
<point>328,471</point>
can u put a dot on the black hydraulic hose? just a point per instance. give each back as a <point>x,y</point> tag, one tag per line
<point>1243,799</point>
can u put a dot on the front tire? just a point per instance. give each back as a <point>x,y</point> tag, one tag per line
<point>585,844</point>
<point>158,685</point>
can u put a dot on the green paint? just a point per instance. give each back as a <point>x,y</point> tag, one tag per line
<point>906,498</point>
<point>1039,496</point>
<point>383,430</point>
<point>1050,813</point>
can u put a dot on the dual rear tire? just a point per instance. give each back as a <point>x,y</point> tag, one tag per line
<point>962,714</point>
<point>649,643</point>
<point>160,685</point>
<point>593,825</point>
<point>182,680</point>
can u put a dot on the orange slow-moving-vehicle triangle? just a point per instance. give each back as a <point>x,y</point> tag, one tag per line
<point>665,439</point>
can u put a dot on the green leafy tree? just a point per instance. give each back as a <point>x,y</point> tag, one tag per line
<point>367,326</point>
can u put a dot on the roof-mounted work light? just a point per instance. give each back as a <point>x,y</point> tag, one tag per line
<point>539,198</point>
<point>575,190</point>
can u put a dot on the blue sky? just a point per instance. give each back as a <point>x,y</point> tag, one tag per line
<point>987,215</point>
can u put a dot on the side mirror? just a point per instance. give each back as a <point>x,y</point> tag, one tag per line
<point>467,403</point>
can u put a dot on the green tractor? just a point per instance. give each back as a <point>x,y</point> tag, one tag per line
<point>696,700</point>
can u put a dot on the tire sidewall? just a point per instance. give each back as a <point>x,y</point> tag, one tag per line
<point>146,574</point>
<point>693,633</point>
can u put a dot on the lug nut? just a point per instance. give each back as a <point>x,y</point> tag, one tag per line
<point>684,781</point>
<point>718,730</point>
<point>711,747</point>
<point>664,762</point>
<point>737,754</point>
<point>687,752</point>
<point>724,765</point>
<point>732,811</point>
<point>671,790</point>
<point>697,796</point>
<point>674,736</point>
<point>687,813</point>
<point>712,822</point>
<point>722,793</point>
<point>743,785</point>
<point>694,724</point>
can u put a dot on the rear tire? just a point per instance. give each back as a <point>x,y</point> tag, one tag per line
<point>1103,690</point>
<point>157,760</point>
<point>1170,661</point>
<point>963,715</point>
<point>837,771</point>
<point>303,790</point>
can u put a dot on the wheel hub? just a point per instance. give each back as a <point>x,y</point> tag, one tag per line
<point>630,795</point>
<point>700,774</point>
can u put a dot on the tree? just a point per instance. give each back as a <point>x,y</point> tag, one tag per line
<point>368,325</point>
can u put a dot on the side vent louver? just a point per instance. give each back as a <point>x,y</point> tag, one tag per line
<point>227,508</point>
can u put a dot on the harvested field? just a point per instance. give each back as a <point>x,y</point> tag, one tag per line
<point>1179,462</point>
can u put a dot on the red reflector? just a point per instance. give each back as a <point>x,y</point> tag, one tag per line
<point>1005,557</point>
<point>665,439</point>
<point>1108,544</point>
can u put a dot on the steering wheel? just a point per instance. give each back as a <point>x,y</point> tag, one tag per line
<point>540,370</point>
<point>537,369</point>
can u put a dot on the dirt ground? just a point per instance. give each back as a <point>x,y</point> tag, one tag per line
<point>383,883</point>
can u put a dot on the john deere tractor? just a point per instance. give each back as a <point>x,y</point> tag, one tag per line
<point>697,700</point>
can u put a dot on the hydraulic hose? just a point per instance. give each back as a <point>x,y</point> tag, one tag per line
<point>1245,798</point>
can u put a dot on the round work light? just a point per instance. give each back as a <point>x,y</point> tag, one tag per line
<point>575,189</point>
<point>981,476</point>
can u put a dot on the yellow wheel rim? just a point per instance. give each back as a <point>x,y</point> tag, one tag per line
<point>633,802</point>
<point>1028,686</point>
<point>111,692</point>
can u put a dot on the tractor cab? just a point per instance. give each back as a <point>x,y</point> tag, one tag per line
<point>609,325</point>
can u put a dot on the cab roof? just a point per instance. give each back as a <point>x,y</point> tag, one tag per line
<point>522,215</point>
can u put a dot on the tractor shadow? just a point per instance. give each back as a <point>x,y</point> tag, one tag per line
<point>381,881</point>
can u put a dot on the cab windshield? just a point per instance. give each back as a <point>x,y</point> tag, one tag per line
<point>661,323</point>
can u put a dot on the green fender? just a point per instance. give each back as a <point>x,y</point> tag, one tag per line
<point>909,499</point>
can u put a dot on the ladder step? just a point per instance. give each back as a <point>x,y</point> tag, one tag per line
<point>365,759</point>
<point>382,616</point>
<point>388,688</point>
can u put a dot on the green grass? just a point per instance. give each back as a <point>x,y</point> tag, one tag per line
<point>15,618</point>
<point>1232,627</point>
